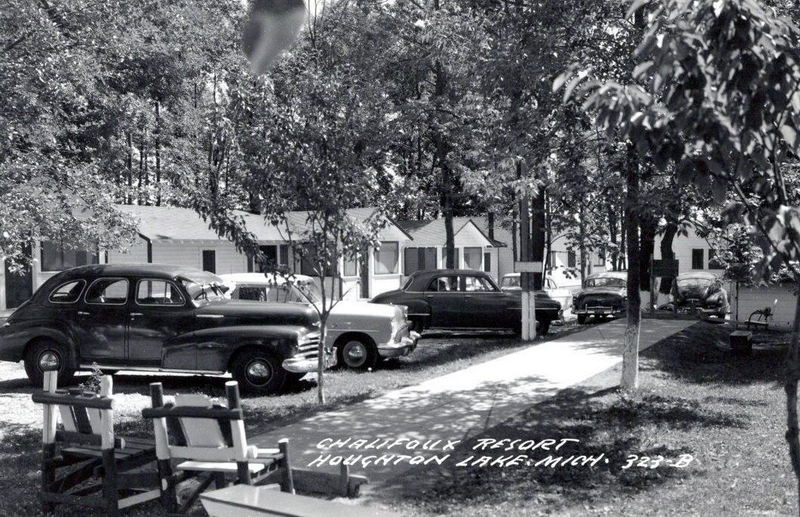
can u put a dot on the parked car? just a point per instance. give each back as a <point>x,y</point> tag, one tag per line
<point>159,318</point>
<point>699,291</point>
<point>604,295</point>
<point>511,282</point>
<point>465,299</point>
<point>362,332</point>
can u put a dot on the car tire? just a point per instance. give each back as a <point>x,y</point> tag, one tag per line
<point>356,352</point>
<point>46,352</point>
<point>581,319</point>
<point>258,372</point>
<point>416,325</point>
<point>543,327</point>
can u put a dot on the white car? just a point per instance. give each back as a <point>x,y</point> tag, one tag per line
<point>362,332</point>
<point>511,282</point>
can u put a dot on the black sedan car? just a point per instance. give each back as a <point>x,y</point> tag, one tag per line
<point>158,318</point>
<point>701,292</point>
<point>604,295</point>
<point>465,299</point>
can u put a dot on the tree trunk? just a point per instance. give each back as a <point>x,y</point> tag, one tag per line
<point>582,243</point>
<point>129,163</point>
<point>790,387</point>
<point>666,253</point>
<point>158,153</point>
<point>321,356</point>
<point>538,235</point>
<point>612,233</point>
<point>630,354</point>
<point>647,239</point>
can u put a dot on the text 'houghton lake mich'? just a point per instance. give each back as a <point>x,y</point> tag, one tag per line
<point>484,452</point>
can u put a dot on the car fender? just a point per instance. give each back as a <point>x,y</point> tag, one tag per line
<point>14,339</point>
<point>213,348</point>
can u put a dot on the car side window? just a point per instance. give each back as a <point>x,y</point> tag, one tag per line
<point>108,291</point>
<point>254,293</point>
<point>158,292</point>
<point>444,284</point>
<point>69,292</point>
<point>476,284</point>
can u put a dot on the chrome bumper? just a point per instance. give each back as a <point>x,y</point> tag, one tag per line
<point>405,346</point>
<point>599,311</point>
<point>300,364</point>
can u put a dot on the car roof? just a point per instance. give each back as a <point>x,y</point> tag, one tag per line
<point>156,270</point>
<point>262,278</point>
<point>705,275</point>
<point>609,274</point>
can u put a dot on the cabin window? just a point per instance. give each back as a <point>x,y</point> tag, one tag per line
<point>351,265</point>
<point>456,262</point>
<point>572,259</point>
<point>275,257</point>
<point>487,262</point>
<point>418,259</point>
<point>210,261</point>
<point>697,259</point>
<point>387,258</point>
<point>472,258</point>
<point>57,257</point>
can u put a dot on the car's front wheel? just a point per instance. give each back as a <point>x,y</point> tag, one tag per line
<point>258,372</point>
<point>357,352</point>
<point>45,355</point>
<point>581,319</point>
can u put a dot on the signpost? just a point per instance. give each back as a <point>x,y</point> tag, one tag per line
<point>528,267</point>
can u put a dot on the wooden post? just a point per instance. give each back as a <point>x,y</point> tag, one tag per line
<point>287,484</point>
<point>169,498</point>
<point>49,437</point>
<point>238,434</point>
<point>110,492</point>
<point>528,302</point>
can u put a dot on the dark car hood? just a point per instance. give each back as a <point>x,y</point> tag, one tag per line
<point>261,313</point>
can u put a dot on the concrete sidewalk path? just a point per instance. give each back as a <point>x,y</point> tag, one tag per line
<point>464,403</point>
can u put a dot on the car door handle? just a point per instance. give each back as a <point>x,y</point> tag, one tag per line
<point>83,313</point>
<point>467,296</point>
<point>135,314</point>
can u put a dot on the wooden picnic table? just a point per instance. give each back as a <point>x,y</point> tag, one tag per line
<point>258,501</point>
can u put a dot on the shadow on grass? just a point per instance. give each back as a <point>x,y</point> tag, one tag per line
<point>606,424</point>
<point>698,354</point>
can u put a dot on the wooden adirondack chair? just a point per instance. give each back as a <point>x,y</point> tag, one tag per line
<point>84,463</point>
<point>209,440</point>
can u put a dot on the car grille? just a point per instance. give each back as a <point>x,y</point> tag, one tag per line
<point>308,348</point>
<point>599,301</point>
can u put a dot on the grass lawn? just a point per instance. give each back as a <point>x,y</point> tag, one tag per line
<point>727,412</point>
<point>20,419</point>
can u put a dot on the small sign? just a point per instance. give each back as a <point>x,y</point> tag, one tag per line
<point>527,267</point>
<point>665,268</point>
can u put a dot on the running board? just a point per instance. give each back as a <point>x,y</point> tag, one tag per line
<point>150,369</point>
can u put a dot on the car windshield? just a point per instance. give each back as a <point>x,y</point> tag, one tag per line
<point>204,290</point>
<point>694,281</point>
<point>283,293</point>
<point>509,281</point>
<point>605,282</point>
